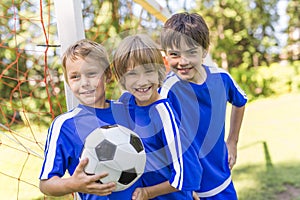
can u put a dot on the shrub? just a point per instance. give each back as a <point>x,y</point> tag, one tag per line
<point>264,81</point>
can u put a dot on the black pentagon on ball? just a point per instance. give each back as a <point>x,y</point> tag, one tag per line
<point>105,150</point>
<point>109,126</point>
<point>127,176</point>
<point>136,143</point>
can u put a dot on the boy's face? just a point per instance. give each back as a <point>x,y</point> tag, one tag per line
<point>187,62</point>
<point>87,82</point>
<point>142,82</point>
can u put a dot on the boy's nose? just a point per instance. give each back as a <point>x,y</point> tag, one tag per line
<point>85,81</point>
<point>183,60</point>
<point>142,79</point>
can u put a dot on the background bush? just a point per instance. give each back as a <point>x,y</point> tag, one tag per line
<point>264,81</point>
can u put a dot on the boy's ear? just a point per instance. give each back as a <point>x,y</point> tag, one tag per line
<point>108,76</point>
<point>204,53</point>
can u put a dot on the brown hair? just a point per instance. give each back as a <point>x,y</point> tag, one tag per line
<point>136,50</point>
<point>189,27</point>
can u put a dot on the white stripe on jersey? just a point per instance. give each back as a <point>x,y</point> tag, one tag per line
<point>167,118</point>
<point>77,196</point>
<point>167,85</point>
<point>53,136</point>
<point>216,190</point>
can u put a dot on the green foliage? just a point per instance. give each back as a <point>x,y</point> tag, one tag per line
<point>241,31</point>
<point>264,81</point>
<point>292,30</point>
<point>113,90</point>
<point>239,36</point>
<point>31,77</point>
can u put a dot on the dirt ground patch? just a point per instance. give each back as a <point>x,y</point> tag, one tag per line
<point>290,193</point>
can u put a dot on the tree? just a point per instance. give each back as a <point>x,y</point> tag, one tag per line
<point>31,75</point>
<point>293,30</point>
<point>22,64</point>
<point>242,32</point>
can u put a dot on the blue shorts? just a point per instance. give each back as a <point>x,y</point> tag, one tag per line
<point>228,193</point>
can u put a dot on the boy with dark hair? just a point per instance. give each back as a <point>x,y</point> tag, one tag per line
<point>200,93</point>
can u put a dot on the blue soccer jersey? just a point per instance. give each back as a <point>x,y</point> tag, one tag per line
<point>202,110</point>
<point>168,158</point>
<point>65,142</point>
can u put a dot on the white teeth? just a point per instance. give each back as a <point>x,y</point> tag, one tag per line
<point>143,89</point>
<point>184,69</point>
<point>87,92</point>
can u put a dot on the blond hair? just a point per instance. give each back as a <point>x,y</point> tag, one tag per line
<point>87,49</point>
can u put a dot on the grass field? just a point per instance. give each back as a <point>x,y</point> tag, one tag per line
<point>268,151</point>
<point>268,155</point>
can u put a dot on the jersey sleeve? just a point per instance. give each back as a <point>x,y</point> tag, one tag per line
<point>236,96</point>
<point>58,149</point>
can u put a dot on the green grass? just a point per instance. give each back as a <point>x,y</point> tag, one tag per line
<point>268,154</point>
<point>268,149</point>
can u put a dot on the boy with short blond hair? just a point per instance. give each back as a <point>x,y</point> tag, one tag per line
<point>86,70</point>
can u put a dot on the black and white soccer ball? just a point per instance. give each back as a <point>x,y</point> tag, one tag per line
<point>118,151</point>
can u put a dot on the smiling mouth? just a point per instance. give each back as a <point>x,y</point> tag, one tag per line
<point>143,90</point>
<point>88,92</point>
<point>183,69</point>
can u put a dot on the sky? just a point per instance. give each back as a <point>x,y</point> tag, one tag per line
<point>177,5</point>
<point>283,21</point>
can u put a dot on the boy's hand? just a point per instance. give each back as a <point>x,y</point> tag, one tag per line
<point>140,194</point>
<point>195,196</point>
<point>87,183</point>
<point>232,153</point>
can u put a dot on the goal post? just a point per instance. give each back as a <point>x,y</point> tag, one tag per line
<point>155,9</point>
<point>70,29</point>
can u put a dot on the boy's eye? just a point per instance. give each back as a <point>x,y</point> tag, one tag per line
<point>74,76</point>
<point>193,52</point>
<point>130,73</point>
<point>150,71</point>
<point>174,53</point>
<point>92,74</point>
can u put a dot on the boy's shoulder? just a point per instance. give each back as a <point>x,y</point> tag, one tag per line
<point>215,70</point>
<point>124,98</point>
<point>170,81</point>
<point>216,73</point>
<point>69,114</point>
<point>65,119</point>
<point>77,113</point>
<point>174,84</point>
<point>172,76</point>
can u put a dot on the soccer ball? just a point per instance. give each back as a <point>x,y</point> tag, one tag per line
<point>116,150</point>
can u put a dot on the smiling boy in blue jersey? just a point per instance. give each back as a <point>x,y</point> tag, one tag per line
<point>170,166</point>
<point>86,69</point>
<point>199,94</point>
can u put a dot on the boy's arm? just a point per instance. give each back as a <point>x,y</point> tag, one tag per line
<point>236,118</point>
<point>153,191</point>
<point>78,182</point>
